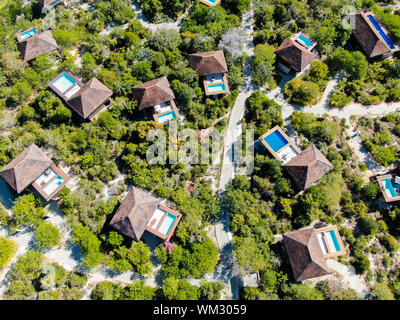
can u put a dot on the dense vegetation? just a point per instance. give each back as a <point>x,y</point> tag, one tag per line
<point>109,154</point>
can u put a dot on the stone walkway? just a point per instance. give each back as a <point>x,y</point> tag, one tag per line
<point>349,275</point>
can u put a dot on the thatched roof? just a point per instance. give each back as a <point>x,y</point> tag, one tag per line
<point>91,96</point>
<point>25,168</point>
<point>294,54</point>
<point>308,167</point>
<point>153,92</point>
<point>134,213</point>
<point>305,254</point>
<point>368,37</point>
<point>37,45</point>
<point>206,63</point>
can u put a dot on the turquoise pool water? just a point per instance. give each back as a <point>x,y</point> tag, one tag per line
<point>166,117</point>
<point>210,1</point>
<point>64,82</point>
<point>53,185</point>
<point>276,140</point>
<point>381,32</point>
<point>167,224</point>
<point>216,87</point>
<point>389,188</point>
<point>307,42</point>
<point>28,34</point>
<point>331,235</point>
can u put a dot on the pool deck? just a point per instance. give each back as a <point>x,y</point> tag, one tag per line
<point>40,189</point>
<point>155,231</point>
<point>173,106</point>
<point>18,34</point>
<point>224,81</point>
<point>63,95</point>
<point>210,4</point>
<point>382,187</point>
<point>370,24</point>
<point>339,239</point>
<point>275,154</point>
<point>310,48</point>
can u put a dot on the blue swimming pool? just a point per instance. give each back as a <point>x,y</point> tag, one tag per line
<point>210,1</point>
<point>64,82</point>
<point>389,188</point>
<point>53,185</point>
<point>166,117</point>
<point>307,42</point>
<point>216,87</point>
<point>28,34</point>
<point>381,32</point>
<point>276,140</point>
<point>331,236</point>
<point>167,224</point>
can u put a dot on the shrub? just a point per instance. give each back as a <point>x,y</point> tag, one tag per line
<point>8,248</point>
<point>47,236</point>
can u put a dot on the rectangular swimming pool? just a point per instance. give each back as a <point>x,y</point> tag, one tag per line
<point>304,40</point>
<point>381,32</point>
<point>28,34</point>
<point>210,1</point>
<point>64,82</point>
<point>216,87</point>
<point>53,185</point>
<point>166,117</point>
<point>389,188</point>
<point>276,140</point>
<point>332,240</point>
<point>167,224</point>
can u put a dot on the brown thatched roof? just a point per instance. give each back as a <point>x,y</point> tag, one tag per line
<point>46,3</point>
<point>368,37</point>
<point>91,96</point>
<point>25,168</point>
<point>134,213</point>
<point>153,92</point>
<point>206,63</point>
<point>294,54</point>
<point>308,167</point>
<point>305,254</point>
<point>37,45</point>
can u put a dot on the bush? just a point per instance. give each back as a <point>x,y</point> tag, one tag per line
<point>8,248</point>
<point>263,64</point>
<point>47,236</point>
<point>28,266</point>
<point>302,92</point>
<point>382,292</point>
